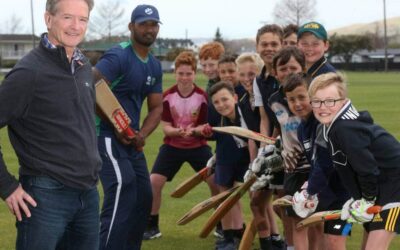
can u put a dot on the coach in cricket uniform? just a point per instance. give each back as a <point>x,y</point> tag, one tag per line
<point>133,75</point>
<point>47,101</point>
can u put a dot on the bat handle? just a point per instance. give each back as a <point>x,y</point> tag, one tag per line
<point>374,209</point>
<point>129,132</point>
<point>132,134</point>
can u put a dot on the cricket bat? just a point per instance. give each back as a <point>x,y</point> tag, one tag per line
<point>190,183</point>
<point>204,206</point>
<point>225,206</point>
<point>248,236</point>
<point>111,108</point>
<point>246,133</point>
<point>319,217</point>
<point>284,201</point>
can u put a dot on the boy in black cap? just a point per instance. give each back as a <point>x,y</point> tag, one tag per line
<point>313,42</point>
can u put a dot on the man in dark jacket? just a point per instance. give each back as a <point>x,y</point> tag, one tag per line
<point>47,102</point>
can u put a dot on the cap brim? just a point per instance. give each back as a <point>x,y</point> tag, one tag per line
<point>313,32</point>
<point>144,19</point>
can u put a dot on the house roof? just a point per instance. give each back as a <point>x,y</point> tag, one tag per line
<point>378,52</point>
<point>17,37</point>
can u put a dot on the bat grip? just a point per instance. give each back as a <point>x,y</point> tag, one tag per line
<point>132,134</point>
<point>374,209</point>
<point>129,132</point>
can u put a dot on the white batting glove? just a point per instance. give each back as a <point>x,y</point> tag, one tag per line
<point>249,173</point>
<point>257,165</point>
<point>263,151</point>
<point>358,210</point>
<point>212,161</point>
<point>345,214</point>
<point>261,182</point>
<point>304,204</point>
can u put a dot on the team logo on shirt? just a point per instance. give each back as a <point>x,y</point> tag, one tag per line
<point>150,81</point>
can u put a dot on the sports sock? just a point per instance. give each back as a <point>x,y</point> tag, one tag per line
<point>153,221</point>
<point>265,243</point>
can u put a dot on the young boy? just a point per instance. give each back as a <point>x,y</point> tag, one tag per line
<point>313,42</point>
<point>268,43</point>
<point>184,113</point>
<point>232,158</point>
<point>366,157</point>
<point>249,65</point>
<point>228,72</point>
<point>209,55</point>
<point>290,60</point>
<point>324,186</point>
<point>290,35</point>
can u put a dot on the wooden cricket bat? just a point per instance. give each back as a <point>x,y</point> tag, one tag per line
<point>190,183</point>
<point>246,133</point>
<point>329,215</point>
<point>248,236</point>
<point>284,201</point>
<point>204,206</point>
<point>226,206</point>
<point>111,108</point>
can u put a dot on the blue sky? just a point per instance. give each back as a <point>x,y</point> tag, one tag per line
<point>200,18</point>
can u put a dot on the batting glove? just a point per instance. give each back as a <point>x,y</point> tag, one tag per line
<point>248,174</point>
<point>211,162</point>
<point>261,182</point>
<point>358,210</point>
<point>345,214</point>
<point>304,204</point>
<point>274,162</point>
<point>263,151</point>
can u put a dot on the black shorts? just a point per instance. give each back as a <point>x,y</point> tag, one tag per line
<point>292,183</point>
<point>277,182</point>
<point>337,227</point>
<point>388,220</point>
<point>226,176</point>
<point>388,186</point>
<point>170,159</point>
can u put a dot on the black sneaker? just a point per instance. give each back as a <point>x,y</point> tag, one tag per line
<point>151,234</point>
<point>224,244</point>
<point>278,244</point>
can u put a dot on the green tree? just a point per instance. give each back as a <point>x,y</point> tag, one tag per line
<point>218,36</point>
<point>346,45</point>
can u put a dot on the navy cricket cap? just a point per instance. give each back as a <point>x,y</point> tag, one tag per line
<point>316,28</point>
<point>145,12</point>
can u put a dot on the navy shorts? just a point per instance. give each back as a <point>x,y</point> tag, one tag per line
<point>170,159</point>
<point>226,176</point>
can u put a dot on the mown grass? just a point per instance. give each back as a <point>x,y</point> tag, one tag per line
<point>376,92</point>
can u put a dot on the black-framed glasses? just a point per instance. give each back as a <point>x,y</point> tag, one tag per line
<point>327,102</point>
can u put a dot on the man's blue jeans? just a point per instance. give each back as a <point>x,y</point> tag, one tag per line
<point>65,218</point>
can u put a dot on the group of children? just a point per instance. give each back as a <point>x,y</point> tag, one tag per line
<point>334,157</point>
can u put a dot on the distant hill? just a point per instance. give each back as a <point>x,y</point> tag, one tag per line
<point>393,28</point>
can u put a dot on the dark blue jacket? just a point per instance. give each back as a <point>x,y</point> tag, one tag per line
<point>323,179</point>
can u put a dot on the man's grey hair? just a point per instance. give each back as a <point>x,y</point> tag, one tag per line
<point>51,5</point>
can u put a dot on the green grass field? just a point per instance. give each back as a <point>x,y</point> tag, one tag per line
<point>376,92</point>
